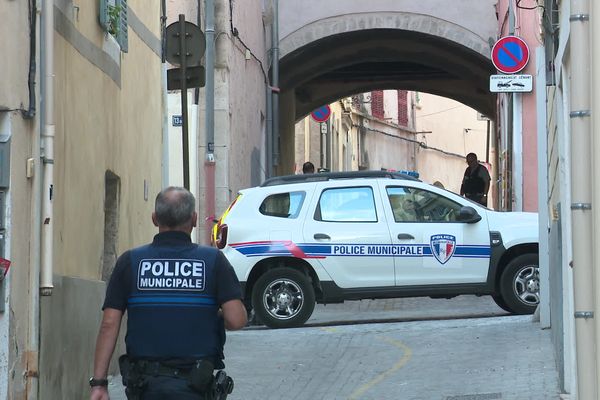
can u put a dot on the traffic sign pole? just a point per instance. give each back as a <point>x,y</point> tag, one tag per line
<point>184,107</point>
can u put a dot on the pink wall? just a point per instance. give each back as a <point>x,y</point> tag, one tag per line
<point>527,23</point>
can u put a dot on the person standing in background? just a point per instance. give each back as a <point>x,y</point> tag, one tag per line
<point>476,181</point>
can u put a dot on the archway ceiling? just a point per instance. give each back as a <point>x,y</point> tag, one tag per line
<point>357,62</point>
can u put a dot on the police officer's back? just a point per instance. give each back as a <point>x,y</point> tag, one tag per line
<point>180,297</point>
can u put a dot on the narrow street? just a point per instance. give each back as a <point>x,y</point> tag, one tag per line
<point>464,348</point>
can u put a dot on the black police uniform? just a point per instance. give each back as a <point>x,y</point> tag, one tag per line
<point>474,182</point>
<point>172,290</point>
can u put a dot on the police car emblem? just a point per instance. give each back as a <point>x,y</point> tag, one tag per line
<point>442,247</point>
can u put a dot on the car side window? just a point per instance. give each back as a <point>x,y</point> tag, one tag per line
<point>283,205</point>
<point>349,204</point>
<point>417,205</point>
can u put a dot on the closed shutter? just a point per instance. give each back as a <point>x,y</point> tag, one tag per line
<point>122,35</point>
<point>103,14</point>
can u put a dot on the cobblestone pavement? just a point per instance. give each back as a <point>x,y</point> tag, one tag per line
<point>470,357</point>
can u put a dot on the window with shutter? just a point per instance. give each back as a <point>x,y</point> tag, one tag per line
<point>113,20</point>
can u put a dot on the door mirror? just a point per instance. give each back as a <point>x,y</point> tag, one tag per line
<point>469,215</point>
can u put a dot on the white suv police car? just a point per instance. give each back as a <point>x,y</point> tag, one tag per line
<point>325,238</point>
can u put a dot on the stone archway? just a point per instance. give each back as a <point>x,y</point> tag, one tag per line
<point>341,55</point>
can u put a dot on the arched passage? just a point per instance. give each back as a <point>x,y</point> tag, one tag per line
<point>342,55</point>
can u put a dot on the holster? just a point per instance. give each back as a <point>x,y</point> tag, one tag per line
<point>201,376</point>
<point>133,378</point>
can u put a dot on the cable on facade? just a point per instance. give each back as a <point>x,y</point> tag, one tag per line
<point>30,112</point>
<point>529,8</point>
<point>235,33</point>
<point>422,145</point>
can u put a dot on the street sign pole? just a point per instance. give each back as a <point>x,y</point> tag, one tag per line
<point>185,45</point>
<point>184,107</point>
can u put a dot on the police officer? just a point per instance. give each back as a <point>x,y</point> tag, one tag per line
<point>178,296</point>
<point>476,181</point>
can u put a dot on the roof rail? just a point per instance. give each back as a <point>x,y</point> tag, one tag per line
<point>326,176</point>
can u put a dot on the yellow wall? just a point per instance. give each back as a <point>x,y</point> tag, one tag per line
<point>101,126</point>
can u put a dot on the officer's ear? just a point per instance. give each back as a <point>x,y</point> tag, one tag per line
<point>194,219</point>
<point>154,220</point>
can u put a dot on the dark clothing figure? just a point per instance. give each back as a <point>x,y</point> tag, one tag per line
<point>308,168</point>
<point>476,181</point>
<point>179,297</point>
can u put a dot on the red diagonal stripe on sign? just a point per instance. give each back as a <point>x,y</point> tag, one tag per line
<point>511,55</point>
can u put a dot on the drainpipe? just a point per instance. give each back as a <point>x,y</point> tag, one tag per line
<point>269,157</point>
<point>33,336</point>
<point>209,120</point>
<point>581,197</point>
<point>48,149</point>
<point>275,83</point>
<point>595,31</point>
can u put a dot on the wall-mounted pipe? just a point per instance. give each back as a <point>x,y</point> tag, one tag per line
<point>33,335</point>
<point>209,120</point>
<point>581,200</point>
<point>46,284</point>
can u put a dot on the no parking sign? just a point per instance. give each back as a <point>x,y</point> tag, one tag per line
<point>321,114</point>
<point>510,54</point>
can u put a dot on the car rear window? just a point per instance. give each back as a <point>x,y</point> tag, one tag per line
<point>283,205</point>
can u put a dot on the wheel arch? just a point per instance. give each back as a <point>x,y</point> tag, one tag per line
<point>276,262</point>
<point>510,254</point>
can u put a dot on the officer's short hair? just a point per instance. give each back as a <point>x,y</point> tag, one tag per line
<point>176,209</point>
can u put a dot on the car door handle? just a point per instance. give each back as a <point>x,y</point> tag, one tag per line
<point>405,236</point>
<point>321,236</point>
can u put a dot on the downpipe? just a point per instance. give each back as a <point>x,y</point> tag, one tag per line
<point>46,284</point>
<point>581,200</point>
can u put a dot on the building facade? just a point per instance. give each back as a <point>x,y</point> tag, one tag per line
<point>80,115</point>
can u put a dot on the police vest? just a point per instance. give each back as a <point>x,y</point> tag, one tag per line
<point>473,183</point>
<point>172,308</point>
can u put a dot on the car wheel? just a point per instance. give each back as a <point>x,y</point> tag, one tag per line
<point>500,302</point>
<point>520,284</point>
<point>283,298</point>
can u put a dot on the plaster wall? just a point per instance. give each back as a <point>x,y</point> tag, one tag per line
<point>384,147</point>
<point>526,26</point>
<point>559,199</point>
<point>107,119</point>
<point>15,59</point>
<point>18,133</point>
<point>240,105</point>
<point>450,126</point>
<point>296,16</point>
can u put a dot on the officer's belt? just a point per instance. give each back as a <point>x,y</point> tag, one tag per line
<point>155,368</point>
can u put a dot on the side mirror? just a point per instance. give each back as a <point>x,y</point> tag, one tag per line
<point>468,214</point>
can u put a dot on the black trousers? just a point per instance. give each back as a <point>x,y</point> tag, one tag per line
<point>169,388</point>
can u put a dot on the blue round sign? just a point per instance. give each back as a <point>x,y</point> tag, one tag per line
<point>321,114</point>
<point>510,54</point>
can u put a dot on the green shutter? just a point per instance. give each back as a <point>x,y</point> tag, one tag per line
<point>103,14</point>
<point>122,35</point>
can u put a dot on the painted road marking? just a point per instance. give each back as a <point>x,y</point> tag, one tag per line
<point>378,379</point>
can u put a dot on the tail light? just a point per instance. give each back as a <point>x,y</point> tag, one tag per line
<point>221,239</point>
<point>219,233</point>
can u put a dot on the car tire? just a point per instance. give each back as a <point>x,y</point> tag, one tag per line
<point>501,303</point>
<point>283,298</point>
<point>520,284</point>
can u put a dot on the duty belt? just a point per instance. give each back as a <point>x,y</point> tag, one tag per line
<point>155,368</point>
